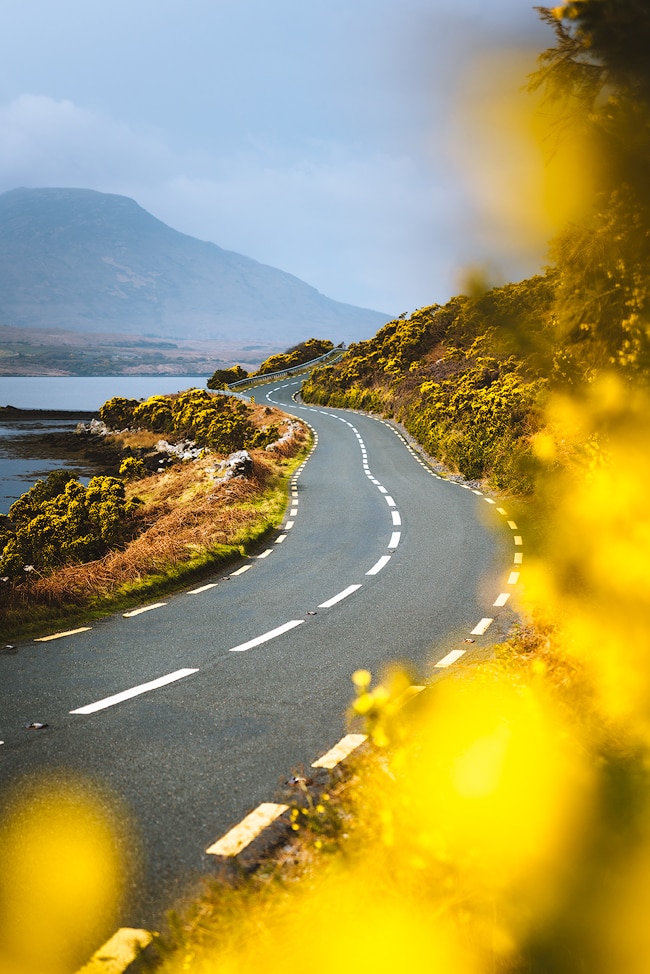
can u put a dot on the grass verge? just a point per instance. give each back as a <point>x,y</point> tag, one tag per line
<point>188,527</point>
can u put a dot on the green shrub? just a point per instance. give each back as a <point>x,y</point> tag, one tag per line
<point>60,521</point>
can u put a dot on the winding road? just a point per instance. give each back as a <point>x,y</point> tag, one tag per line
<point>192,711</point>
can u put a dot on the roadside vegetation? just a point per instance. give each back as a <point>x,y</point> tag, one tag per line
<point>296,355</point>
<point>500,822</point>
<point>71,551</point>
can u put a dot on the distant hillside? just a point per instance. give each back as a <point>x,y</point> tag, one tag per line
<point>92,262</point>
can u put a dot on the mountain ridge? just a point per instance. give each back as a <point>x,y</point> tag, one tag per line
<point>82,260</point>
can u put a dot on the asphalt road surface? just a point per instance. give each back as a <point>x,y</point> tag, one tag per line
<point>192,712</point>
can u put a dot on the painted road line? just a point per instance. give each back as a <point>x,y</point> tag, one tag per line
<point>479,493</point>
<point>204,588</point>
<point>501,511</point>
<point>145,608</point>
<point>118,952</point>
<point>518,558</point>
<point>382,489</point>
<point>377,567</point>
<point>488,500</point>
<point>289,525</point>
<point>513,578</point>
<point>116,698</point>
<point>518,540</point>
<point>389,500</point>
<point>265,637</point>
<point>450,658</point>
<point>396,518</point>
<point>394,539</point>
<point>340,751</point>
<point>512,525</point>
<point>339,598</point>
<point>60,635</point>
<point>240,571</point>
<point>408,694</point>
<point>294,512</point>
<point>234,841</point>
<point>265,554</point>
<point>482,627</point>
<point>280,539</point>
<point>502,599</point>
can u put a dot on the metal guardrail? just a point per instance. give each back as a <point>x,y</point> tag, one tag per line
<point>334,353</point>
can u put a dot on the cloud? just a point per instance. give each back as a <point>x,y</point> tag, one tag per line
<point>53,143</point>
<point>351,221</point>
<point>363,223</point>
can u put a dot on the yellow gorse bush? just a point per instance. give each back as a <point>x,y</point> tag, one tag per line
<point>61,877</point>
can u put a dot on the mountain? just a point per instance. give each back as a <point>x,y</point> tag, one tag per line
<point>84,261</point>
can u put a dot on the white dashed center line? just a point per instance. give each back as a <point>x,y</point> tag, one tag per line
<point>339,598</point>
<point>377,567</point>
<point>116,698</point>
<point>265,637</point>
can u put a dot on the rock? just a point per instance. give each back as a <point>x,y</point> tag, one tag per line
<point>239,464</point>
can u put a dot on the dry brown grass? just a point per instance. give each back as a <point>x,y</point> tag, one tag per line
<point>185,516</point>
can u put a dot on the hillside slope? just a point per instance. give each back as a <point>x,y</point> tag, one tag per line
<point>95,262</point>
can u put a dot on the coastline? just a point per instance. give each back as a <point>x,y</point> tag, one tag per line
<point>16,412</point>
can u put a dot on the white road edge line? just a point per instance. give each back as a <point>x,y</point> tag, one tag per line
<point>119,952</point>
<point>60,635</point>
<point>482,627</point>
<point>145,608</point>
<point>339,598</point>
<point>502,599</point>
<point>340,751</point>
<point>241,835</point>
<point>394,539</point>
<point>265,637</point>
<point>240,571</point>
<point>204,588</point>
<point>450,658</point>
<point>162,681</point>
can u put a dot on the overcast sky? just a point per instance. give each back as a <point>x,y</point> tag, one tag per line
<point>319,136</point>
